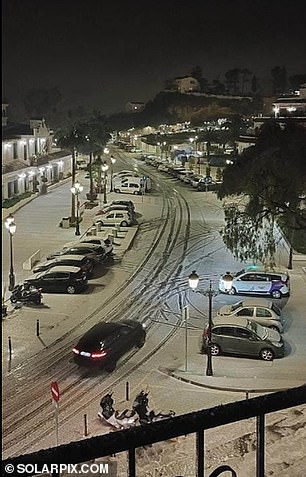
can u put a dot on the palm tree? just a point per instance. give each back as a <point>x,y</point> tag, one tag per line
<point>72,140</point>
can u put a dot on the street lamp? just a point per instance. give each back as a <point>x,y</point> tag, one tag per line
<point>193,283</point>
<point>76,189</point>
<point>113,160</point>
<point>11,227</point>
<point>104,168</point>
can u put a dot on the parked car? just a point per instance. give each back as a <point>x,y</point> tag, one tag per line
<point>264,312</point>
<point>60,279</point>
<point>119,217</point>
<point>242,336</point>
<point>85,263</point>
<point>94,251</point>
<point>106,342</point>
<point>110,208</point>
<point>106,244</point>
<point>255,281</point>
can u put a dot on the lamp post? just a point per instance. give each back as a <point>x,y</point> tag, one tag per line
<point>210,293</point>
<point>104,168</point>
<point>76,189</point>
<point>11,227</point>
<point>113,160</point>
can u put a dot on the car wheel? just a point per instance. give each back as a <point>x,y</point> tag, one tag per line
<point>13,299</point>
<point>232,291</point>
<point>266,354</point>
<point>124,224</point>
<point>215,349</point>
<point>116,190</point>
<point>71,289</point>
<point>110,367</point>
<point>37,301</point>
<point>276,294</point>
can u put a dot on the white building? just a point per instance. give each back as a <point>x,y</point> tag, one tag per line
<point>187,84</point>
<point>28,159</point>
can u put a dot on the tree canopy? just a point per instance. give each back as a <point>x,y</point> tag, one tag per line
<point>272,177</point>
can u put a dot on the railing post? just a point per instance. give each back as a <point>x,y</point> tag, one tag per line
<point>131,463</point>
<point>200,453</point>
<point>260,448</point>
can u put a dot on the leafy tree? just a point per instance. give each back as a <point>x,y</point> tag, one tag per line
<point>245,75</point>
<point>217,87</point>
<point>271,176</point>
<point>254,85</point>
<point>279,79</point>
<point>232,80</point>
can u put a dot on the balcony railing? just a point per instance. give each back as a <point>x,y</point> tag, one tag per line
<point>193,423</point>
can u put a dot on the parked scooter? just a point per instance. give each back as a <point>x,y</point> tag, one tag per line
<point>117,419</point>
<point>23,294</point>
<point>141,406</point>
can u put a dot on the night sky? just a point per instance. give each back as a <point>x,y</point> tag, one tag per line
<point>103,53</point>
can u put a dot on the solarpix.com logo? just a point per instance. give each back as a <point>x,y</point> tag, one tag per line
<point>108,469</point>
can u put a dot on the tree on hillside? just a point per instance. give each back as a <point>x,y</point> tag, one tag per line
<point>279,79</point>
<point>196,73</point>
<point>232,80</point>
<point>245,77</point>
<point>271,178</point>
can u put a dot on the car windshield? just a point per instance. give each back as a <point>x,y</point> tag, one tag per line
<point>236,305</point>
<point>240,273</point>
<point>257,329</point>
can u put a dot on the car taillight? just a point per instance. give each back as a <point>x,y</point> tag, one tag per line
<point>76,351</point>
<point>98,355</point>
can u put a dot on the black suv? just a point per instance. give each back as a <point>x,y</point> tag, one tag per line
<point>106,342</point>
<point>60,279</point>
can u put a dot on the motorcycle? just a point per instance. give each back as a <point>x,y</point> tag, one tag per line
<point>23,294</point>
<point>141,406</point>
<point>117,419</point>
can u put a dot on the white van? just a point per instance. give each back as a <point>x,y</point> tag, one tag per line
<point>132,185</point>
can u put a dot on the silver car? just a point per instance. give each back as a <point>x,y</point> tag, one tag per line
<point>264,312</point>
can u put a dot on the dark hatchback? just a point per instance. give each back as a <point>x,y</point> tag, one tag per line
<point>60,279</point>
<point>106,342</point>
<point>86,264</point>
<point>94,251</point>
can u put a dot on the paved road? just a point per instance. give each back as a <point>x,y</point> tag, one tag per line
<point>164,375</point>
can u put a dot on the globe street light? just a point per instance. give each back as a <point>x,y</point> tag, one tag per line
<point>193,283</point>
<point>11,228</point>
<point>113,160</point>
<point>76,189</point>
<point>104,168</point>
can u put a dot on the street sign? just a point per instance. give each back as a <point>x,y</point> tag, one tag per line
<point>55,391</point>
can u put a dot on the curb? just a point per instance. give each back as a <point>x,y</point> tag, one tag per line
<point>172,374</point>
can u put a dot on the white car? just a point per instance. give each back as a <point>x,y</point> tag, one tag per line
<point>256,281</point>
<point>116,217</point>
<point>264,312</point>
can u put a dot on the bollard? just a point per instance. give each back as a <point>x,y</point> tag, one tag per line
<point>37,327</point>
<point>247,395</point>
<point>114,232</point>
<point>127,397</point>
<point>85,425</point>
<point>10,346</point>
